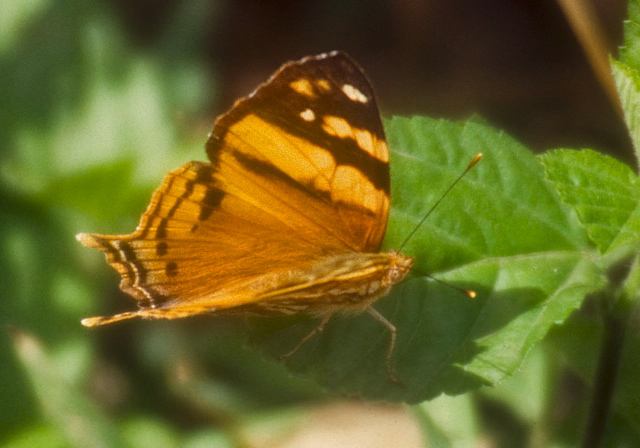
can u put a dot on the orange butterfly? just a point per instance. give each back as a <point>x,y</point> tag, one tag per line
<point>287,218</point>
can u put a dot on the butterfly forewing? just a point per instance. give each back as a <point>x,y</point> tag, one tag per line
<point>288,217</point>
<point>315,126</point>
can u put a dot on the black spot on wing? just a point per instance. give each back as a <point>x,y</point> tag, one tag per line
<point>161,249</point>
<point>210,202</point>
<point>161,229</point>
<point>171,269</point>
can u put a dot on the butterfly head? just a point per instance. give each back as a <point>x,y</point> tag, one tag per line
<point>399,267</point>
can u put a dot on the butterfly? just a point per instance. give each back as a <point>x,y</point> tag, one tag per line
<point>288,217</point>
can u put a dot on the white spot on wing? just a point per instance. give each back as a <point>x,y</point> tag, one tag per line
<point>307,115</point>
<point>354,94</point>
<point>303,87</point>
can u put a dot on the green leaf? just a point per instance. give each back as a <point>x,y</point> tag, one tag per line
<point>503,232</point>
<point>626,73</point>
<point>604,193</point>
<point>532,376</point>
<point>628,84</point>
<point>630,53</point>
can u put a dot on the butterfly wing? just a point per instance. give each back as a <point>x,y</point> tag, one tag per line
<point>298,172</point>
<point>313,127</point>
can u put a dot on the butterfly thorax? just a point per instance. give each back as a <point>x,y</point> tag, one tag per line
<point>347,283</point>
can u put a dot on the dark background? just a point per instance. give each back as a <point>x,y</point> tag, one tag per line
<point>516,63</point>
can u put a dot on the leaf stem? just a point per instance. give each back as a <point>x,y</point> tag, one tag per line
<point>616,306</point>
<point>605,381</point>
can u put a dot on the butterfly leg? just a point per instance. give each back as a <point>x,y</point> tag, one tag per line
<point>313,332</point>
<point>392,343</point>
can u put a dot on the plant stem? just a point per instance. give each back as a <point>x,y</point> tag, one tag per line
<point>605,380</point>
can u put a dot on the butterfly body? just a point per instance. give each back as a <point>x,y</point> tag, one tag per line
<point>288,217</point>
<point>347,283</point>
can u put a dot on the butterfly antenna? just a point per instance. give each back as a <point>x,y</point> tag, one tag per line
<point>475,160</point>
<point>467,292</point>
